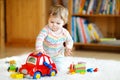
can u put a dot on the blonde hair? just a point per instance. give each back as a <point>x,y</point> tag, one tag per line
<point>59,10</point>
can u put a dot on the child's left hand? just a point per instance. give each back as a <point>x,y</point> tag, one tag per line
<point>68,52</point>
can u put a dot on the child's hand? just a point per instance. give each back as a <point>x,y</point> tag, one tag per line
<point>39,51</point>
<point>68,52</point>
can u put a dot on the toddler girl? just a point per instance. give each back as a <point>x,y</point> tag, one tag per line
<point>52,37</point>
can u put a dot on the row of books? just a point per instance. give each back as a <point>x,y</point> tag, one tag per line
<point>96,7</point>
<point>86,32</point>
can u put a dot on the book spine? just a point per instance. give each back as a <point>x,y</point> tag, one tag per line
<point>90,7</point>
<point>85,7</point>
<point>81,39</point>
<point>83,30</point>
<point>82,3</point>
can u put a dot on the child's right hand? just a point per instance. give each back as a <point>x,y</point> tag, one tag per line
<point>68,52</point>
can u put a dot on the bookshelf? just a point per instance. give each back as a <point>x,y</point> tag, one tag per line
<point>107,23</point>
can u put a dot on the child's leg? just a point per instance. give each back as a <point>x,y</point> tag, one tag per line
<point>59,61</point>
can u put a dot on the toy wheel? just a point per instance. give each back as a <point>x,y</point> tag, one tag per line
<point>37,75</point>
<point>16,69</point>
<point>8,69</point>
<point>53,73</point>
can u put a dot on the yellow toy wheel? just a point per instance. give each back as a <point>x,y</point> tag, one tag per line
<point>53,73</point>
<point>37,75</point>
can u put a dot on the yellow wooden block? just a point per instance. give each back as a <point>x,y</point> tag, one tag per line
<point>19,76</point>
<point>16,75</point>
<point>12,75</point>
<point>82,72</point>
<point>72,72</point>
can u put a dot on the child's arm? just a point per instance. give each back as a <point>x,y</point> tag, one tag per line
<point>69,44</point>
<point>39,41</point>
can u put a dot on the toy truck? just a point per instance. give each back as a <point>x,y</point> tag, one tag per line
<point>38,65</point>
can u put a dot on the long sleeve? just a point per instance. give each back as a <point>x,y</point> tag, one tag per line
<point>40,38</point>
<point>69,41</point>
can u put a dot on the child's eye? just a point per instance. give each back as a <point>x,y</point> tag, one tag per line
<point>52,22</point>
<point>58,23</point>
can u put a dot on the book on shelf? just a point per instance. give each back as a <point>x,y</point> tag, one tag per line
<point>90,7</point>
<point>98,6</point>
<point>82,3</point>
<point>95,33</point>
<point>113,7</point>
<point>102,4</point>
<point>76,6</point>
<point>82,30</point>
<point>95,4</point>
<point>80,21</point>
<point>97,29</point>
<point>73,29</point>
<point>105,7</point>
<point>85,24</point>
<point>107,39</point>
<point>79,30</point>
<point>117,7</point>
<point>85,7</point>
<point>111,42</point>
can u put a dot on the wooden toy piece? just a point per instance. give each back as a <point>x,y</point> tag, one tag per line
<point>80,67</point>
<point>77,68</point>
<point>16,76</point>
<point>71,70</point>
<point>96,70</point>
<point>12,67</point>
<point>90,70</point>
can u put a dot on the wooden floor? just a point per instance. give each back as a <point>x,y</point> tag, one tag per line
<point>14,51</point>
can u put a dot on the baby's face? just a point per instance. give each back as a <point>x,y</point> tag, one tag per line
<point>55,23</point>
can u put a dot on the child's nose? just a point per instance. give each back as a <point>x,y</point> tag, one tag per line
<point>54,24</point>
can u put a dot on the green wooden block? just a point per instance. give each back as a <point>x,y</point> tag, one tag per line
<point>79,65</point>
<point>80,71</point>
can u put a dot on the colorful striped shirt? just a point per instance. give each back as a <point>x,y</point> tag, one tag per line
<point>52,42</point>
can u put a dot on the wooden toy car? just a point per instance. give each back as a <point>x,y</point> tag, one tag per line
<point>38,65</point>
<point>12,67</point>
